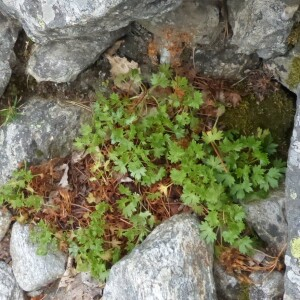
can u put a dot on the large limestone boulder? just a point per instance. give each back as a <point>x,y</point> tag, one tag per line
<point>172,263</point>
<point>50,20</point>
<point>44,129</point>
<point>71,34</point>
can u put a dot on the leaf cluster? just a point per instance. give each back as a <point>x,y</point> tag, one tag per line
<point>17,192</point>
<point>44,237</point>
<point>159,134</point>
<point>153,137</point>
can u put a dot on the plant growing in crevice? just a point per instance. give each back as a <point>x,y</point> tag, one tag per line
<point>159,135</point>
<point>143,151</point>
<point>9,113</point>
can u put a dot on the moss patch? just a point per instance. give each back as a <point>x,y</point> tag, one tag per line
<point>244,294</point>
<point>294,74</point>
<point>276,112</point>
<point>295,247</point>
<point>294,36</point>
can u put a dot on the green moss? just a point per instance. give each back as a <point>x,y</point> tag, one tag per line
<point>295,247</point>
<point>294,74</point>
<point>39,153</point>
<point>294,36</point>
<point>244,295</point>
<point>276,113</point>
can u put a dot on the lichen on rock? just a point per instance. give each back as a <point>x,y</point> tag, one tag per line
<point>294,36</point>
<point>295,247</point>
<point>293,79</point>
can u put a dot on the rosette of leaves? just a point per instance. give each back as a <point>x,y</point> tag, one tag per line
<point>159,134</point>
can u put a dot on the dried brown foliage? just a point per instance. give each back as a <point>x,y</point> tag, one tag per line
<point>241,266</point>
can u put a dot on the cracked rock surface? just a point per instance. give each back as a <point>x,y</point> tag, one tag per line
<point>172,263</point>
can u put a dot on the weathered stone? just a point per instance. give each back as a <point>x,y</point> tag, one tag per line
<point>227,286</point>
<point>267,218</point>
<point>261,26</point>
<point>8,35</point>
<point>197,22</point>
<point>33,271</point>
<point>50,20</point>
<point>172,263</point>
<point>266,286</point>
<point>223,62</point>
<point>286,69</point>
<point>9,289</point>
<point>62,61</point>
<point>72,34</point>
<point>292,256</point>
<point>5,219</point>
<point>44,129</point>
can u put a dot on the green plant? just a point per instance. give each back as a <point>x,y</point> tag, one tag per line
<point>159,134</point>
<point>17,192</point>
<point>10,113</point>
<point>158,141</point>
<point>44,236</point>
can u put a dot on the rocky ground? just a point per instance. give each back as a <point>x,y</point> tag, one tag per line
<point>52,63</point>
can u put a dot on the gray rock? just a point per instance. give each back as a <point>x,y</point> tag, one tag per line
<point>9,289</point>
<point>281,67</point>
<point>223,62</point>
<point>5,219</point>
<point>267,218</point>
<point>267,286</point>
<point>50,20</point>
<point>72,34</point>
<point>292,256</point>
<point>200,21</point>
<point>261,26</point>
<point>227,286</point>
<point>32,271</point>
<point>63,61</point>
<point>172,263</point>
<point>44,129</point>
<point>8,35</point>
